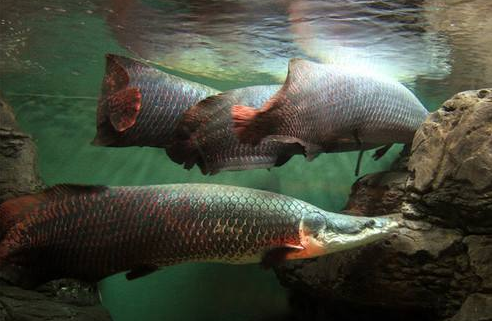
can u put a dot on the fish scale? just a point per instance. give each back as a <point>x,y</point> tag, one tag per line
<point>164,98</point>
<point>329,108</point>
<point>90,234</point>
<point>206,131</point>
<point>143,106</point>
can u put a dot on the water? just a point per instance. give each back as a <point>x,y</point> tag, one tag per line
<point>52,63</point>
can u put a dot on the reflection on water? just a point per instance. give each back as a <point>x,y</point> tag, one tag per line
<point>250,41</point>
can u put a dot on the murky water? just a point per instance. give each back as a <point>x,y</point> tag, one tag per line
<point>52,63</point>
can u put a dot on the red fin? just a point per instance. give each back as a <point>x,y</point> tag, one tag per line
<point>14,210</point>
<point>248,124</point>
<point>278,255</point>
<point>185,148</point>
<point>116,77</point>
<point>124,107</point>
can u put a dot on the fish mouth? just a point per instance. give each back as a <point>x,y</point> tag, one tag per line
<point>358,231</point>
<point>342,232</point>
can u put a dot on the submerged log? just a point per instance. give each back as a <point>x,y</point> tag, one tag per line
<point>439,266</point>
<point>56,300</point>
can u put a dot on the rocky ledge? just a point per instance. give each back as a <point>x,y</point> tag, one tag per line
<point>59,300</point>
<point>439,265</point>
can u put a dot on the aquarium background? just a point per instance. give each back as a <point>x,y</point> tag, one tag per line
<point>52,64</point>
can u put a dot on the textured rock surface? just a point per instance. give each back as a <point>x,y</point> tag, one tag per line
<point>53,301</point>
<point>452,163</point>
<point>439,266</point>
<point>18,169</point>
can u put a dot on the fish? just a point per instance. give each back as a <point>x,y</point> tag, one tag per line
<point>91,232</point>
<point>204,135</point>
<point>141,105</point>
<point>332,108</point>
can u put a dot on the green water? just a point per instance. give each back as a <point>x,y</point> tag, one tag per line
<point>64,60</point>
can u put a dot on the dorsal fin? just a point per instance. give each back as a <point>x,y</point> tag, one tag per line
<point>199,115</point>
<point>185,149</point>
<point>296,76</point>
<point>64,189</point>
<point>297,67</point>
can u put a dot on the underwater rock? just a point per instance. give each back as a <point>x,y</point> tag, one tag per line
<point>20,304</point>
<point>379,193</point>
<point>57,300</point>
<point>18,160</point>
<point>439,266</point>
<point>477,307</point>
<point>452,163</point>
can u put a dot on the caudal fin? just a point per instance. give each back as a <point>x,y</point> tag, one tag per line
<point>119,105</point>
<point>250,125</point>
<point>14,210</point>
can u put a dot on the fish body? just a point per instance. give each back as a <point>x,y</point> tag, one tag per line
<point>91,232</point>
<point>205,135</point>
<point>329,108</point>
<point>141,105</point>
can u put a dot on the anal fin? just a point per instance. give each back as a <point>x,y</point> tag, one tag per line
<point>140,271</point>
<point>381,151</point>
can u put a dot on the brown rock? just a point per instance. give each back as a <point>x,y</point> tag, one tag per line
<point>377,194</point>
<point>435,269</point>
<point>57,300</point>
<point>452,162</point>
<point>477,307</point>
<point>454,144</point>
<point>19,304</point>
<point>18,163</point>
<point>480,256</point>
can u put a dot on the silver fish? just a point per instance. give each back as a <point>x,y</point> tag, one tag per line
<point>329,108</point>
<point>141,105</point>
<point>205,137</point>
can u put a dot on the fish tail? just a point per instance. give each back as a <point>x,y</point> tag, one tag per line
<point>12,212</point>
<point>250,125</point>
<point>119,104</point>
<point>195,124</point>
<point>183,152</point>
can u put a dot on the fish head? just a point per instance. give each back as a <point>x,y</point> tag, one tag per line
<point>324,233</point>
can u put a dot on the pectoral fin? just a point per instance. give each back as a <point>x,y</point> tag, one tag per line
<point>361,152</point>
<point>141,270</point>
<point>278,255</point>
<point>381,151</point>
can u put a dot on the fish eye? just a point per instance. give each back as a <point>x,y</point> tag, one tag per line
<point>370,223</point>
<point>314,224</point>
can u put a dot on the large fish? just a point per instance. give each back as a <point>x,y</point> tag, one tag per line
<point>205,137</point>
<point>329,108</point>
<point>141,105</point>
<point>91,232</point>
